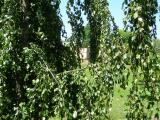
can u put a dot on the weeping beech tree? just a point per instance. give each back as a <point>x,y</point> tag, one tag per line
<point>27,28</point>
<point>141,21</point>
<point>94,17</point>
<point>41,78</point>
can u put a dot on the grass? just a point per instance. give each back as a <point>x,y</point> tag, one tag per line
<point>119,107</point>
<point>118,104</point>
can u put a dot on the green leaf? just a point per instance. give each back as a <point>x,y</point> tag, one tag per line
<point>135,15</point>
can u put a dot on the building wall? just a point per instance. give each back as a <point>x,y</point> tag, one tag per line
<point>84,54</point>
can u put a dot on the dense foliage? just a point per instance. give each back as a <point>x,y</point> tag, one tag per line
<point>40,77</point>
<point>140,16</point>
<point>157,45</point>
<point>126,35</point>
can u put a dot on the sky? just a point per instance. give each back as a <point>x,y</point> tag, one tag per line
<point>115,7</point>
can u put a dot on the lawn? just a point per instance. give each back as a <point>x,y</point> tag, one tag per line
<point>118,110</point>
<point>119,107</point>
<point>120,97</point>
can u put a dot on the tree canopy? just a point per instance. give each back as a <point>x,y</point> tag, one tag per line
<point>40,77</point>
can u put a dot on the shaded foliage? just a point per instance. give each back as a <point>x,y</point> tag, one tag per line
<point>40,77</point>
<point>126,35</point>
<point>140,18</point>
<point>156,43</point>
